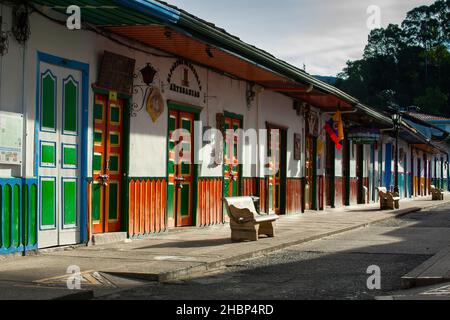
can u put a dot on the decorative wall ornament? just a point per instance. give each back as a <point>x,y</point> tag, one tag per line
<point>21,24</point>
<point>297,146</point>
<point>184,85</point>
<point>313,124</point>
<point>4,40</point>
<point>155,104</point>
<point>250,94</point>
<point>220,122</point>
<point>146,89</point>
<point>217,154</point>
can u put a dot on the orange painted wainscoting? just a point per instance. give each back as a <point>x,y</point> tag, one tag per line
<point>338,189</point>
<point>147,206</point>
<point>209,201</point>
<point>353,191</point>
<point>366,184</point>
<point>293,195</point>
<point>250,187</point>
<point>255,187</point>
<point>320,192</point>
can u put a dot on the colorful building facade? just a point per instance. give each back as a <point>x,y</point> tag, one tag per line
<point>99,154</point>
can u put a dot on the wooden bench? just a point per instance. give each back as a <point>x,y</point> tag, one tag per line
<point>388,200</point>
<point>436,194</point>
<point>245,222</point>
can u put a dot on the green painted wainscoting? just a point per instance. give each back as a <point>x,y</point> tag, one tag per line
<point>19,214</point>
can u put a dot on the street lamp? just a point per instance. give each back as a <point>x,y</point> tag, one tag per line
<point>396,119</point>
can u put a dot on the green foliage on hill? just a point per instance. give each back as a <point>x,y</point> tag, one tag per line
<point>411,61</point>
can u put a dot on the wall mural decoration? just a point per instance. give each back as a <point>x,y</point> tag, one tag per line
<point>180,79</point>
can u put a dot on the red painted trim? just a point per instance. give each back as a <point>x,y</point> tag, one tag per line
<point>131,203</point>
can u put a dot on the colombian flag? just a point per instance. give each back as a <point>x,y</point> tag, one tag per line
<point>335,128</point>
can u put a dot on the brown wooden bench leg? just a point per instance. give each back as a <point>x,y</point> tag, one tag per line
<point>266,228</point>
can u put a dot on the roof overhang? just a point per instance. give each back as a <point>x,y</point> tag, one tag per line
<point>429,148</point>
<point>179,43</point>
<point>177,32</point>
<point>172,30</point>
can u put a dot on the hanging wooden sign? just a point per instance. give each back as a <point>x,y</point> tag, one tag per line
<point>155,104</point>
<point>297,146</point>
<point>116,73</point>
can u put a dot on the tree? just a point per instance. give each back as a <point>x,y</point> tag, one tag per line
<point>385,43</point>
<point>434,101</point>
<point>412,60</point>
<point>425,26</point>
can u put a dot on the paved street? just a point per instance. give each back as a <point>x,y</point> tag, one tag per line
<point>330,268</point>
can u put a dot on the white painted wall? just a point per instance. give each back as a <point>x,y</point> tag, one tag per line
<point>278,109</point>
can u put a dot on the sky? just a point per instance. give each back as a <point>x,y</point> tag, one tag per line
<point>318,34</point>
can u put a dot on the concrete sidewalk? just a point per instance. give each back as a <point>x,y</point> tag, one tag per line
<point>433,271</point>
<point>185,253</point>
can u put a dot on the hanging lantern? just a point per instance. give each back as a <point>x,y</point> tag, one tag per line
<point>148,74</point>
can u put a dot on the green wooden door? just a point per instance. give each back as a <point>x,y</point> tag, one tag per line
<point>231,166</point>
<point>309,173</point>
<point>107,165</point>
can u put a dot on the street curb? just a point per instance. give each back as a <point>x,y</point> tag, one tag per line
<point>191,271</point>
<point>186,273</point>
<point>78,295</point>
<point>417,277</point>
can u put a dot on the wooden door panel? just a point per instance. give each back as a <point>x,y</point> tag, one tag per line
<point>180,172</point>
<point>309,174</point>
<point>114,167</point>
<point>58,154</point>
<point>107,161</point>
<point>186,172</point>
<point>171,192</point>
<point>232,174</point>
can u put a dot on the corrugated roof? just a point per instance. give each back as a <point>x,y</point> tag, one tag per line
<point>428,117</point>
<point>107,12</point>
